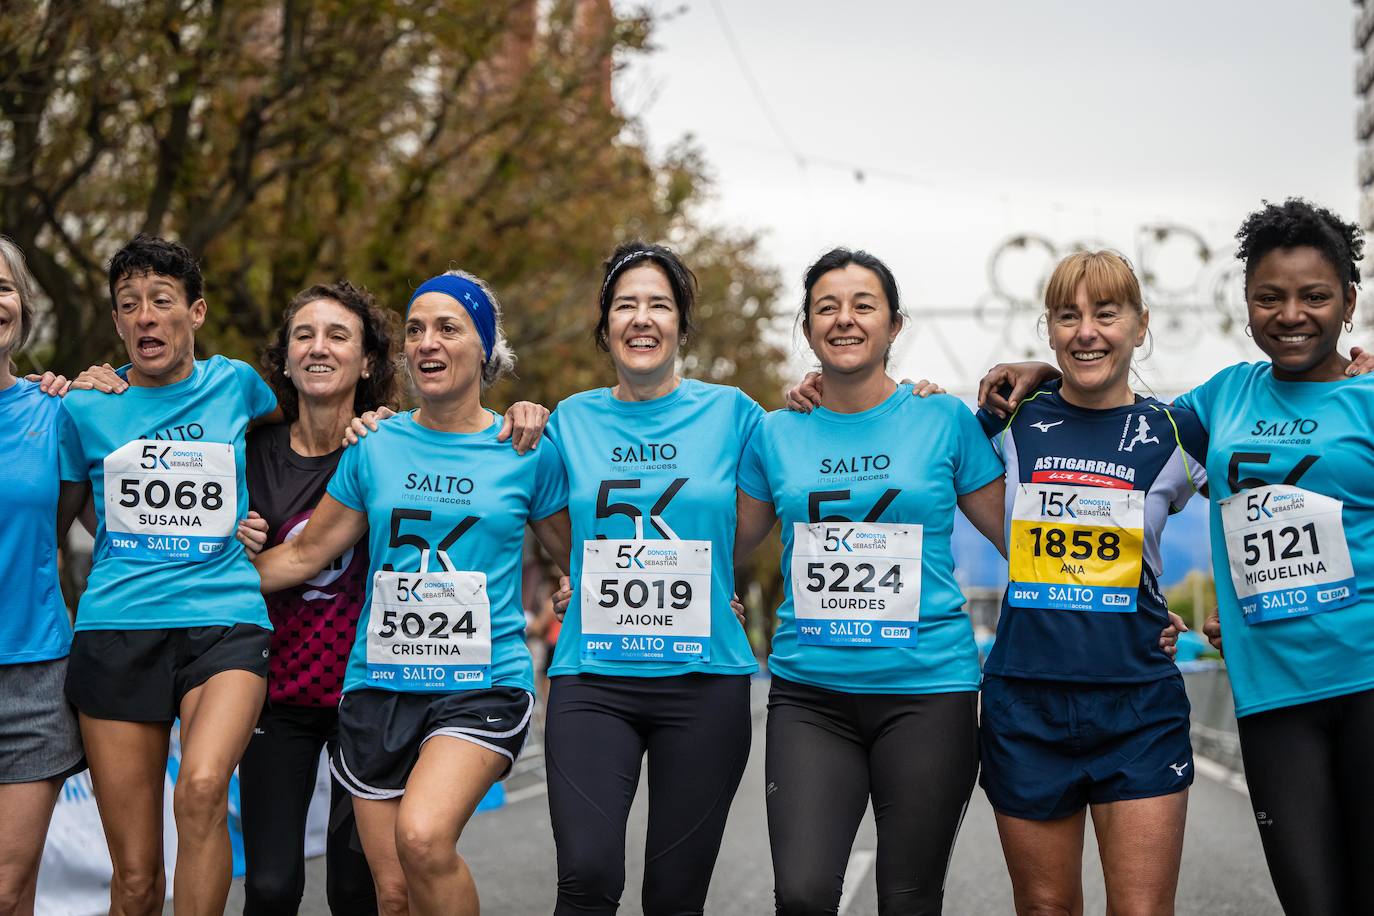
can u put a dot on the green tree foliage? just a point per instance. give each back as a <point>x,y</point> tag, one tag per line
<point>296,141</point>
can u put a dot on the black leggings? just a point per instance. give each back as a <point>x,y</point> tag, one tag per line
<point>1309,768</point>
<point>696,730</point>
<point>917,756</point>
<point>276,781</point>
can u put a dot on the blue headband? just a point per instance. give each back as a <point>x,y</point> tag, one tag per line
<point>470,296</point>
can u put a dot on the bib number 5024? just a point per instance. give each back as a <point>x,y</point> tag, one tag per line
<point>412,624</point>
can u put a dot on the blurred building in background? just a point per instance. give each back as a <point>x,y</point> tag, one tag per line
<point>1364,118</point>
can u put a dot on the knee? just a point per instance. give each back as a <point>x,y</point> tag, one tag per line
<point>592,881</point>
<point>1045,905</point>
<point>805,895</point>
<point>267,892</point>
<point>424,849</point>
<point>201,797</point>
<point>137,890</point>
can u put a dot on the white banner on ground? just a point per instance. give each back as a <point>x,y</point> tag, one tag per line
<point>74,878</point>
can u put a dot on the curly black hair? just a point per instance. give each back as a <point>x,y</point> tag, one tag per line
<point>633,254</point>
<point>372,392</point>
<point>150,254</point>
<point>1298,222</point>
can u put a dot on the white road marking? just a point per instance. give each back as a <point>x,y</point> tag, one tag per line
<point>854,874</point>
<point>1222,774</point>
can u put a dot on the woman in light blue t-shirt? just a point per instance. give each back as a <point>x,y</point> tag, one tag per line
<point>651,659</point>
<point>875,672</point>
<point>439,690</point>
<point>38,729</point>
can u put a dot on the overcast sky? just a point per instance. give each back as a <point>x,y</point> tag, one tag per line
<point>973,122</point>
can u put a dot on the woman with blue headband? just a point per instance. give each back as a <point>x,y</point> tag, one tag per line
<point>439,689</point>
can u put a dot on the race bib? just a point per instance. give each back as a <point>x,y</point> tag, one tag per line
<point>429,631</point>
<point>171,500</point>
<point>1287,552</point>
<point>646,600</point>
<point>1076,548</point>
<point>856,583</point>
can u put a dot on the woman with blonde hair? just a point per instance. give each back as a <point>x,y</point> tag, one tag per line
<point>37,726</point>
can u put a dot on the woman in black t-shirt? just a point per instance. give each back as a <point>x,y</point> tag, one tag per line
<point>331,361</point>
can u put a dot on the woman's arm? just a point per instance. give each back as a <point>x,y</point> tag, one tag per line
<point>555,533</point>
<point>332,529</point>
<point>72,497</point>
<point>986,508</point>
<point>754,518</point>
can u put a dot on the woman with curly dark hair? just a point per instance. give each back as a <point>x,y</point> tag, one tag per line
<point>332,360</point>
<point>1290,468</point>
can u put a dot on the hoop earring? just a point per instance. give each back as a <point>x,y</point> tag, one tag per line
<point>1248,332</point>
<point>1349,327</point>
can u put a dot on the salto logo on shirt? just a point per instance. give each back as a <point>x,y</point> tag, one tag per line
<point>438,483</point>
<point>185,433</point>
<point>855,464</point>
<point>642,452</point>
<point>1278,429</point>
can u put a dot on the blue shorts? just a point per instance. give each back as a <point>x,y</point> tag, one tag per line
<point>1051,747</point>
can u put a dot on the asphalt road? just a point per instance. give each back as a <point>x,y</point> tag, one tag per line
<point>510,851</point>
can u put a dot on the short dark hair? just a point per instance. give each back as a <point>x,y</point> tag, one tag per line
<point>632,254</point>
<point>1299,223</point>
<point>840,258</point>
<point>150,254</point>
<point>372,392</point>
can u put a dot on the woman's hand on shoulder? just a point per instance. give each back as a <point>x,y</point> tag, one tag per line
<point>1361,361</point>
<point>101,378</point>
<point>1021,378</point>
<point>805,395</point>
<point>50,383</point>
<point>524,425</point>
<point>359,427</point>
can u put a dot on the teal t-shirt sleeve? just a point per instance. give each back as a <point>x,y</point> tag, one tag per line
<point>748,416</point>
<point>1199,401</point>
<point>347,485</point>
<point>256,393</point>
<point>71,455</point>
<point>752,478</point>
<point>550,481</point>
<point>975,463</point>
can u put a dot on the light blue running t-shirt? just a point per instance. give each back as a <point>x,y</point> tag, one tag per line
<point>867,502</point>
<point>1293,553</point>
<point>33,616</point>
<point>652,498</point>
<point>166,467</point>
<point>452,508</point>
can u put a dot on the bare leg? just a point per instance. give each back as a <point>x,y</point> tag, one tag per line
<point>25,811</point>
<point>1045,861</point>
<point>217,720</point>
<point>442,792</point>
<point>1141,842</point>
<point>128,762</point>
<point>377,829</point>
